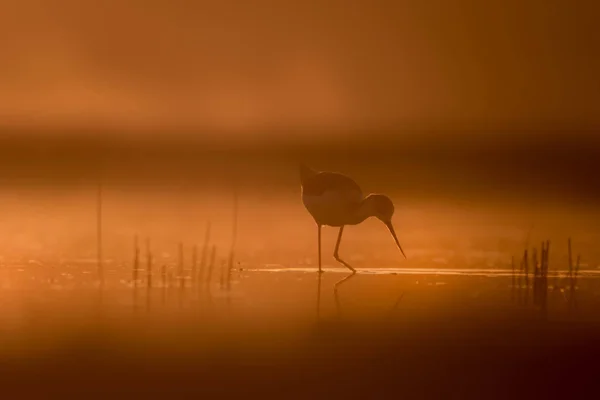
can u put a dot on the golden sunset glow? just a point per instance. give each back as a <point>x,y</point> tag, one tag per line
<point>270,63</point>
<point>299,199</point>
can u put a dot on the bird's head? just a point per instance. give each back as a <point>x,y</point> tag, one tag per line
<point>382,208</point>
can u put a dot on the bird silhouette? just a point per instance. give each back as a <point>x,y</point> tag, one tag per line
<point>334,199</point>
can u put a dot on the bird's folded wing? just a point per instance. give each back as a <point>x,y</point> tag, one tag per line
<point>331,182</point>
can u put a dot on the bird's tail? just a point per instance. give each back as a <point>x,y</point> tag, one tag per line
<point>306,172</point>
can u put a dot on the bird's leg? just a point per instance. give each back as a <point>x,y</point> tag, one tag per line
<point>319,238</point>
<point>337,247</point>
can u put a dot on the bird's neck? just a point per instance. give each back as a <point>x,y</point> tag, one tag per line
<point>362,212</point>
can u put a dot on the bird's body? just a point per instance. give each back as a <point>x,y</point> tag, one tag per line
<point>334,199</point>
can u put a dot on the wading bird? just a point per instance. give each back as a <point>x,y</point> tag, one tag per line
<point>334,199</point>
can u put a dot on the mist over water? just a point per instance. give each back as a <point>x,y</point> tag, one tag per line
<point>455,193</point>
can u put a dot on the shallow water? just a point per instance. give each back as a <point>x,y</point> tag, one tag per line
<point>454,301</point>
<point>334,330</point>
<point>489,272</point>
<point>291,297</point>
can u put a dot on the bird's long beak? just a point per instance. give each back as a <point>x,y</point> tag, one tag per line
<point>391,228</point>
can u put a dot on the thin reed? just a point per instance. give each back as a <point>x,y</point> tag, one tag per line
<point>99,233</point>
<point>148,274</point>
<point>211,264</point>
<point>194,270</point>
<point>136,261</point>
<point>204,256</point>
<point>148,264</point>
<point>233,238</point>
<point>181,272</point>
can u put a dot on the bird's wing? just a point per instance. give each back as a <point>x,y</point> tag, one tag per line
<point>324,182</point>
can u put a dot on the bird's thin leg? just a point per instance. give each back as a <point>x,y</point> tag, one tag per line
<point>319,238</point>
<point>337,247</point>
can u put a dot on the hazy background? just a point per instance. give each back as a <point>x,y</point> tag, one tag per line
<point>478,118</point>
<point>498,64</point>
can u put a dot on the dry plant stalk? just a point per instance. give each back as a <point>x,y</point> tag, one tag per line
<point>536,277</point>
<point>136,260</point>
<point>570,260</point>
<point>545,268</point>
<point>164,283</point>
<point>512,290</point>
<point>194,271</point>
<point>211,264</point>
<point>164,276</point>
<point>148,264</point>
<point>181,272</point>
<point>204,252</point>
<point>233,238</point>
<point>526,270</point>
<point>99,234</point>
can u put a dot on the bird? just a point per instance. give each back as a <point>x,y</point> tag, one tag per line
<point>336,200</point>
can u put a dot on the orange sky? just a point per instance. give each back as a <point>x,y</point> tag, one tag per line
<point>335,63</point>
